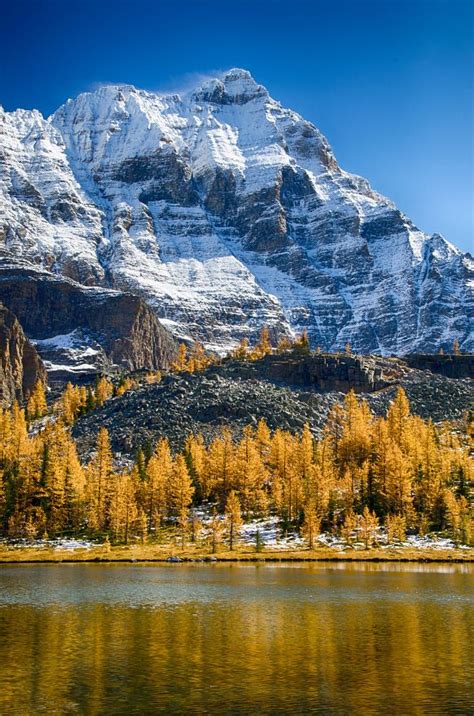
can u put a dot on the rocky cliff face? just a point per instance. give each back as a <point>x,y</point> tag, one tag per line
<point>78,329</point>
<point>20,365</point>
<point>452,366</point>
<point>321,373</point>
<point>226,211</point>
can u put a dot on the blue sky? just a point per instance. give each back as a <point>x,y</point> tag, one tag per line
<point>389,82</point>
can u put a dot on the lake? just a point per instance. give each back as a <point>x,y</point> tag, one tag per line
<point>237,639</point>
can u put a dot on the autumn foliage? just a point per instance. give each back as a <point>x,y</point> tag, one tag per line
<point>399,471</point>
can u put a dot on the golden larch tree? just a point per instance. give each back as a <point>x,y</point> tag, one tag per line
<point>233,518</point>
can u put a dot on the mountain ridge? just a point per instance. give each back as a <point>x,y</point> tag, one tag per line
<point>226,211</point>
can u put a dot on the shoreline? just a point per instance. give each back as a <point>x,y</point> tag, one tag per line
<point>164,555</point>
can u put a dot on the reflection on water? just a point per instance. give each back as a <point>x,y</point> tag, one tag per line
<point>338,639</point>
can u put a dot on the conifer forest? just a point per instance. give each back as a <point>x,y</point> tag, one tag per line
<point>398,472</point>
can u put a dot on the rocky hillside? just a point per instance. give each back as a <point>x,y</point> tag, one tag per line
<point>225,211</point>
<point>20,365</point>
<point>285,391</point>
<point>79,330</point>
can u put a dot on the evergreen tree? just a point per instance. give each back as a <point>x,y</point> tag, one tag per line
<point>242,351</point>
<point>104,390</point>
<point>301,344</point>
<point>264,346</point>
<point>368,527</point>
<point>100,482</point>
<point>195,454</point>
<point>181,363</point>
<point>36,406</point>
<point>396,528</point>
<point>125,385</point>
<point>233,518</point>
<point>158,474</point>
<point>216,528</point>
<point>180,493</point>
<point>259,541</point>
<point>74,488</point>
<point>348,527</point>
<point>312,523</point>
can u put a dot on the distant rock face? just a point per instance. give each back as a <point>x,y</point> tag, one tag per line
<point>80,330</point>
<point>226,211</point>
<point>20,365</point>
<point>286,392</point>
<point>321,373</point>
<point>452,366</point>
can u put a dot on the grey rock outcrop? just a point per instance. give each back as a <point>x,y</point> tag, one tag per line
<point>452,366</point>
<point>20,365</point>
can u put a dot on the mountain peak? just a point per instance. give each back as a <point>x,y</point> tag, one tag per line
<point>237,86</point>
<point>226,211</point>
<point>237,73</point>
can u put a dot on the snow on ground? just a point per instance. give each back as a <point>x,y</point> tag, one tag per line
<point>428,542</point>
<point>273,537</point>
<point>412,542</point>
<point>270,534</point>
<point>63,543</point>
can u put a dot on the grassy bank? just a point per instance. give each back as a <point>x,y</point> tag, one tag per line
<point>164,553</point>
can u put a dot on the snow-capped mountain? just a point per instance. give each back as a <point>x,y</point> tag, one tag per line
<point>226,211</point>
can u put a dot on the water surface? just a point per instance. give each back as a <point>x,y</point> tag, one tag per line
<point>237,639</point>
